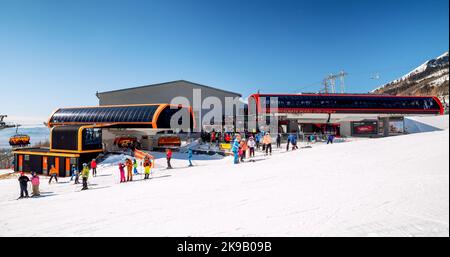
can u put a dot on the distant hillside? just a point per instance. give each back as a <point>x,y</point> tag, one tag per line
<point>430,78</point>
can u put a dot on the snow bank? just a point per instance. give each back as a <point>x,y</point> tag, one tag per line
<point>426,124</point>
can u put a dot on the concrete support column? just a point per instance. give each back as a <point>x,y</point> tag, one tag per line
<point>385,126</point>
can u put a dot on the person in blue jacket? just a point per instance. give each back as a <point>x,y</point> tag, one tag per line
<point>289,141</point>
<point>190,157</point>
<point>257,140</point>
<point>235,150</point>
<point>330,139</point>
<point>294,142</point>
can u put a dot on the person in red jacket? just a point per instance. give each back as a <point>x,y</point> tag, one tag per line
<point>94,167</point>
<point>169,157</point>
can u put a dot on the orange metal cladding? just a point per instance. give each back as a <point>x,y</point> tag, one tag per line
<point>57,163</point>
<point>67,164</point>
<point>20,162</point>
<point>44,164</point>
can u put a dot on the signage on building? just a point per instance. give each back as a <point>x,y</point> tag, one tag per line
<point>365,128</point>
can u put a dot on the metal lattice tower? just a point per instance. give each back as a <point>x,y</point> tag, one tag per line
<point>331,80</point>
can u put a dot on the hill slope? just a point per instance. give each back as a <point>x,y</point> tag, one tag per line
<point>430,78</point>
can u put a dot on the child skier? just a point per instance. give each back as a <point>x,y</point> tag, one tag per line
<point>122,172</point>
<point>35,184</point>
<point>251,146</point>
<point>23,182</point>
<point>135,166</point>
<point>85,176</point>
<point>243,149</point>
<point>169,157</point>
<point>147,166</point>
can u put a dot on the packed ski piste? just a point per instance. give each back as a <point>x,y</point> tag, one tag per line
<point>267,186</point>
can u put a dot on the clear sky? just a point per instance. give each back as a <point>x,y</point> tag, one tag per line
<point>59,53</point>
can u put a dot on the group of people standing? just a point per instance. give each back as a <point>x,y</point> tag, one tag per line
<point>53,174</point>
<point>132,169</point>
<point>240,146</point>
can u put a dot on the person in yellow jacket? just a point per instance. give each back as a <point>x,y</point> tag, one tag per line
<point>53,174</point>
<point>85,176</point>
<point>147,166</point>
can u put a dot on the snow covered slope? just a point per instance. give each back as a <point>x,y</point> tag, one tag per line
<point>426,124</point>
<point>397,186</point>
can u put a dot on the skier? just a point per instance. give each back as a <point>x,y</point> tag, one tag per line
<point>147,166</point>
<point>235,150</point>
<point>267,143</point>
<point>135,166</point>
<point>190,157</point>
<point>258,140</point>
<point>129,165</point>
<point>94,167</point>
<point>76,174</point>
<point>289,140</point>
<point>330,139</point>
<point>35,184</point>
<point>72,172</point>
<point>53,174</point>
<point>169,157</point>
<point>85,176</point>
<point>294,142</point>
<point>122,172</point>
<point>278,140</point>
<point>251,146</point>
<point>243,149</point>
<point>23,182</point>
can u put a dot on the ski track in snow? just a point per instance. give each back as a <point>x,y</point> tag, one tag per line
<point>397,186</point>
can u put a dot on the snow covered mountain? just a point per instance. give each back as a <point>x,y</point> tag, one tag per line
<point>430,78</point>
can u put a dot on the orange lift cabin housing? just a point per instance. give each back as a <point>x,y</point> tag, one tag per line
<point>76,134</point>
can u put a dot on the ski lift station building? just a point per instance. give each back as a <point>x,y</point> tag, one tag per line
<point>79,134</point>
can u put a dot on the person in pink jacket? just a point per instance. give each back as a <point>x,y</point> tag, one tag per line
<point>35,184</point>
<point>122,172</point>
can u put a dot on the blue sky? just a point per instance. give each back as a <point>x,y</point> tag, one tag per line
<point>59,53</point>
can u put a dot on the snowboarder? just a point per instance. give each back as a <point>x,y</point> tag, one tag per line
<point>135,166</point>
<point>35,184</point>
<point>190,157</point>
<point>267,142</point>
<point>251,146</point>
<point>169,157</point>
<point>85,176</point>
<point>23,182</point>
<point>94,167</point>
<point>122,172</point>
<point>53,174</point>
<point>147,166</point>
<point>129,165</point>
